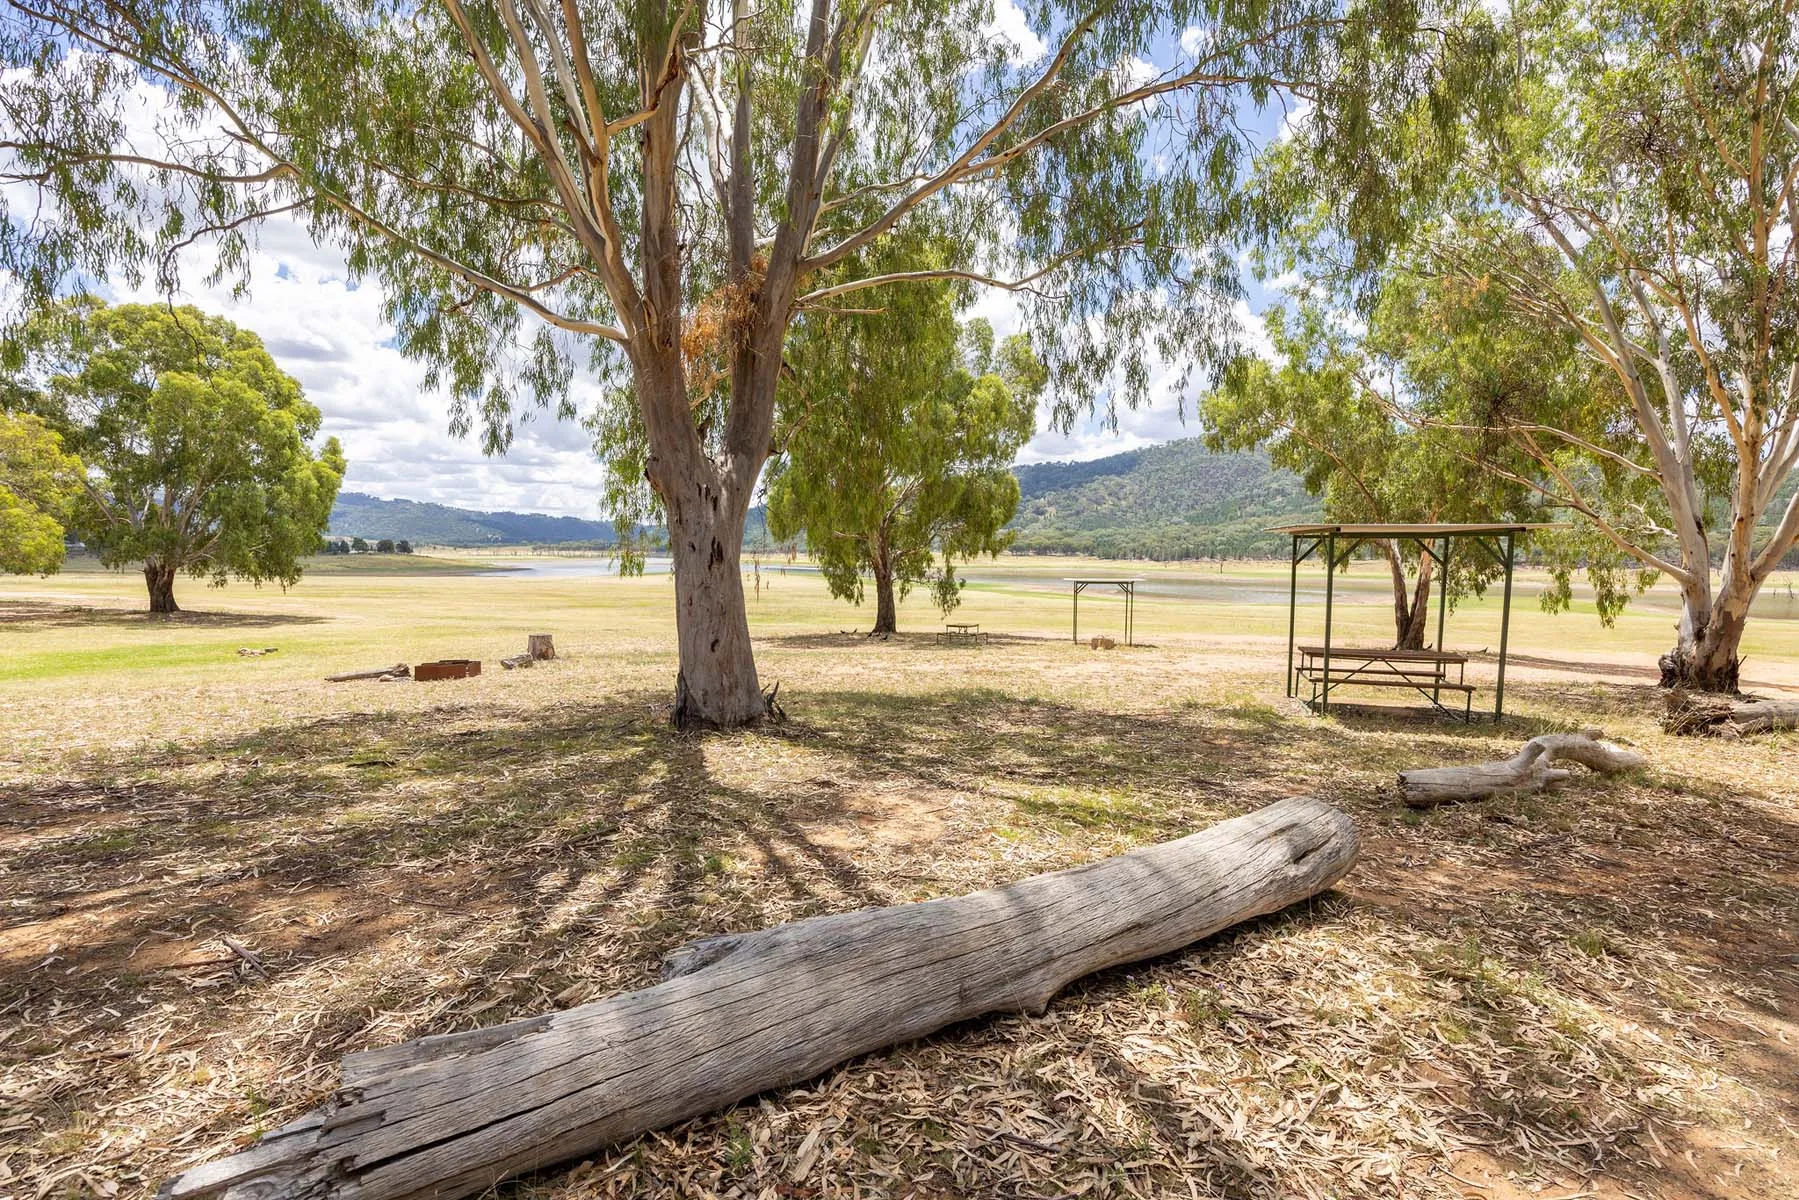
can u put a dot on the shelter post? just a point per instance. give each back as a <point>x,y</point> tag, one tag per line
<point>1330,583</point>
<point>1442,603</point>
<point>1505,627</point>
<point>1292,612</point>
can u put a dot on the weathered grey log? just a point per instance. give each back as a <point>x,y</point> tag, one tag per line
<point>1529,770</point>
<point>450,1116</point>
<point>1724,716</point>
<point>516,661</point>
<point>1763,716</point>
<point>397,671</point>
<point>540,645</point>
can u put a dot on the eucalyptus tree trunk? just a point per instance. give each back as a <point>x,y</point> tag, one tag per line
<point>160,578</point>
<point>886,615</point>
<point>706,500</point>
<point>1705,656</point>
<point>705,487</point>
<point>886,611</point>
<point>1411,605</point>
<point>717,683</point>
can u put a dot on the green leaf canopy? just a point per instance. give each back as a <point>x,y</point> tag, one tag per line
<point>897,453</point>
<point>40,484</point>
<point>197,446</point>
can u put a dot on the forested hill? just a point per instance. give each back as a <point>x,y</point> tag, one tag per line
<point>359,515</point>
<point>1177,500</point>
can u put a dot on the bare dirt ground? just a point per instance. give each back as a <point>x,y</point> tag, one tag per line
<point>1590,993</point>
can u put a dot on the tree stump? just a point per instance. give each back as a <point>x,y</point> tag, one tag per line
<point>1529,770</point>
<point>540,646</point>
<point>453,1115</point>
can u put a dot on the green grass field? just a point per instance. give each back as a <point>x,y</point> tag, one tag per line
<point>1586,992</point>
<point>374,609</point>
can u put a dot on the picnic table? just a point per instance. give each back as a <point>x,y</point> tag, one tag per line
<point>1327,668</point>
<point>954,631</point>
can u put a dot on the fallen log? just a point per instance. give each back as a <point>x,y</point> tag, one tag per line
<point>397,671</point>
<point>452,1115</point>
<point>1726,716</point>
<point>516,661</point>
<point>1529,770</point>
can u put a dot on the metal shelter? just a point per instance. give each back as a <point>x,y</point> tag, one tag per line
<point>1127,586</point>
<point>1338,542</point>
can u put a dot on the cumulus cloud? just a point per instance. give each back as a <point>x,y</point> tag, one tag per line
<point>1168,415</point>
<point>1008,22</point>
<point>331,337</point>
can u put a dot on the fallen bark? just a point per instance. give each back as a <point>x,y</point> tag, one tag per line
<point>1724,716</point>
<point>452,1115</point>
<point>517,661</point>
<point>397,671</point>
<point>1529,770</point>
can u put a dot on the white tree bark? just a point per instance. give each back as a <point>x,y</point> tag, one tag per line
<point>1529,770</point>
<point>451,1116</point>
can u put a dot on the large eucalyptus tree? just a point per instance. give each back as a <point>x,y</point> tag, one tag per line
<point>660,186</point>
<point>1625,177</point>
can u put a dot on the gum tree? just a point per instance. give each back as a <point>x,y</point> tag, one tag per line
<point>659,188</point>
<point>1323,411</point>
<point>39,485</point>
<point>896,456</point>
<point>1623,176</point>
<point>196,445</point>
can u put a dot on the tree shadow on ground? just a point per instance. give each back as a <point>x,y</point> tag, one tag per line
<point>403,874</point>
<point>32,616</point>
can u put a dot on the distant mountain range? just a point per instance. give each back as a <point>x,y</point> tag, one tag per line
<point>363,516</point>
<point>1177,500</point>
<point>425,524</point>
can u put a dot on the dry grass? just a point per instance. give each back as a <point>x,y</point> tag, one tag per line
<point>1585,993</point>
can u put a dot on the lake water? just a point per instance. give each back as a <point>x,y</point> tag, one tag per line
<point>1774,602</point>
<point>1190,587</point>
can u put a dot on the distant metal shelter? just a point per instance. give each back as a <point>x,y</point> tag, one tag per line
<point>1127,586</point>
<point>1338,542</point>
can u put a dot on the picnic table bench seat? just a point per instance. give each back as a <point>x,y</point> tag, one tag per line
<point>1424,671</point>
<point>1367,652</point>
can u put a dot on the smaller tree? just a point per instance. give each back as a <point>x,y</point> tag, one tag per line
<point>40,484</point>
<point>1321,414</point>
<point>384,546</point>
<point>403,546</point>
<point>896,453</point>
<point>358,546</point>
<point>196,444</point>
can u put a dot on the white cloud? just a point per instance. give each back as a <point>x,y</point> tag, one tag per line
<point>1134,72</point>
<point>1161,420</point>
<point>1008,22</point>
<point>1297,114</point>
<point>331,337</point>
